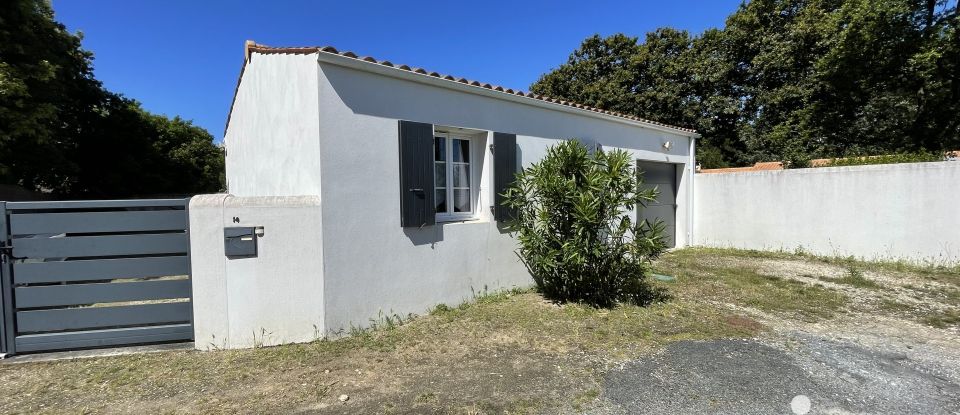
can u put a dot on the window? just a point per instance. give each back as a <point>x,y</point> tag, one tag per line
<point>453,176</point>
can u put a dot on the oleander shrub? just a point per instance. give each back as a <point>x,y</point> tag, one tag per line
<point>573,218</point>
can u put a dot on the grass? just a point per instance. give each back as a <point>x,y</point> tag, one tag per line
<point>507,352</point>
<point>934,270</point>
<point>942,319</point>
<point>894,307</point>
<point>619,331</point>
<point>933,290</point>
<point>854,278</point>
<point>745,284</point>
<point>503,352</point>
<point>585,399</point>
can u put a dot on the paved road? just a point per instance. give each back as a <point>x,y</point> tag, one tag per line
<point>749,377</point>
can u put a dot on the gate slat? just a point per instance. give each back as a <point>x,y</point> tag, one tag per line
<point>97,317</point>
<point>100,269</point>
<point>100,338</point>
<point>97,204</point>
<point>78,294</point>
<point>81,246</point>
<point>130,221</point>
<point>94,243</point>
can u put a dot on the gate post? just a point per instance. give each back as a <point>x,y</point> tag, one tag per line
<point>7,334</point>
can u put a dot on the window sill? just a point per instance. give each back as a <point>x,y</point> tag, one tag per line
<point>448,220</point>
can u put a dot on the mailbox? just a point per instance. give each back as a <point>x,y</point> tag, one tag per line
<point>240,242</point>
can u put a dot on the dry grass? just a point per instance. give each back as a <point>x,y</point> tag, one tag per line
<point>715,275</point>
<point>823,286</point>
<point>508,352</point>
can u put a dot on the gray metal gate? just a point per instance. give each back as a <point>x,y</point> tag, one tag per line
<point>84,274</point>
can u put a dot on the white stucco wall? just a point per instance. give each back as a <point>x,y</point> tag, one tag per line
<point>897,211</point>
<point>272,140</point>
<point>273,298</point>
<point>372,265</point>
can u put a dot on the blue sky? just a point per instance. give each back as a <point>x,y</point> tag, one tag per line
<point>182,57</point>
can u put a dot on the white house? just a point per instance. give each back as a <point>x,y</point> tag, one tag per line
<point>403,167</point>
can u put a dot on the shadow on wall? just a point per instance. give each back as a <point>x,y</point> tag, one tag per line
<point>427,235</point>
<point>382,96</point>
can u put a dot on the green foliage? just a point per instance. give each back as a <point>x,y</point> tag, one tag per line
<point>574,228</point>
<point>787,80</point>
<point>854,277</point>
<point>62,132</point>
<point>918,157</point>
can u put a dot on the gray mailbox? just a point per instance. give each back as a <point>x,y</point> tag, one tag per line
<point>240,242</point>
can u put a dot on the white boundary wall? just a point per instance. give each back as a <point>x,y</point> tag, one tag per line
<point>273,298</point>
<point>878,212</point>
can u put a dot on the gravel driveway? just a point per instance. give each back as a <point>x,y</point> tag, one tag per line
<point>801,373</point>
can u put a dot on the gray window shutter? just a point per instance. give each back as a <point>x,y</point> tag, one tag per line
<point>416,174</point>
<point>504,171</point>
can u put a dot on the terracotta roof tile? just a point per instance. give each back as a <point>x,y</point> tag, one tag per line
<point>253,47</point>
<point>820,162</point>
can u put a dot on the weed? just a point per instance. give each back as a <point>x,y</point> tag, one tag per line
<point>890,306</point>
<point>427,398</point>
<point>324,389</point>
<point>942,319</point>
<point>585,398</point>
<point>259,342</point>
<point>854,278</point>
<point>440,309</point>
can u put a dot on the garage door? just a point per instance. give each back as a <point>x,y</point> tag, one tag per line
<point>663,176</point>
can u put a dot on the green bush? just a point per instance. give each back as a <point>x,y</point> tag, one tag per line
<point>919,157</point>
<point>573,222</point>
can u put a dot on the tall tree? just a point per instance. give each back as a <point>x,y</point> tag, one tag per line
<point>62,132</point>
<point>787,79</point>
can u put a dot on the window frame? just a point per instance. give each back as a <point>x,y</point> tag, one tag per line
<point>471,139</point>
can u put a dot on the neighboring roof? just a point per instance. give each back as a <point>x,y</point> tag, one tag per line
<point>766,165</point>
<point>778,165</point>
<point>253,47</point>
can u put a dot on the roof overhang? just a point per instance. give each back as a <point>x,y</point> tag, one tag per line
<point>426,79</point>
<point>330,55</point>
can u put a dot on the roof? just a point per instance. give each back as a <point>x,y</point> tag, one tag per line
<point>252,47</point>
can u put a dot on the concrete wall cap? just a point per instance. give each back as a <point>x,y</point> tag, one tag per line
<point>277,201</point>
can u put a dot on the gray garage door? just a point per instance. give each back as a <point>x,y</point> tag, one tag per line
<point>663,176</point>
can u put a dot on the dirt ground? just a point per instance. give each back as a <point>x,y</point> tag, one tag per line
<point>516,353</point>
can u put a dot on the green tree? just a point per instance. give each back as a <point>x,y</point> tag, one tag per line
<point>575,230</point>
<point>619,74</point>
<point>787,79</point>
<point>62,132</point>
